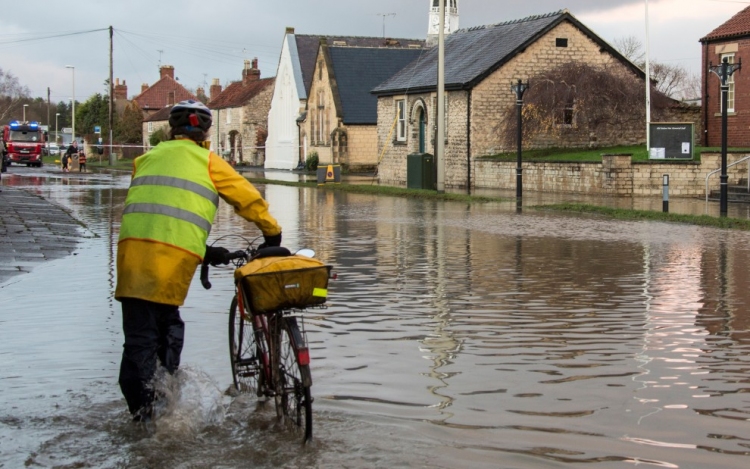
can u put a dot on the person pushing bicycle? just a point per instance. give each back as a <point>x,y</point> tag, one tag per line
<point>168,213</point>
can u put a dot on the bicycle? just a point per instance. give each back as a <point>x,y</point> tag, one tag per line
<point>267,344</point>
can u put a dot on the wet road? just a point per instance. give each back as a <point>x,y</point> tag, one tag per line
<point>457,336</point>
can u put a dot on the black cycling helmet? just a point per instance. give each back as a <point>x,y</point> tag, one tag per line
<point>190,114</point>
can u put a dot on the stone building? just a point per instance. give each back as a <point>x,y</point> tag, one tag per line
<point>285,147</point>
<point>480,65</point>
<point>240,116</point>
<point>729,41</point>
<point>341,120</point>
<point>153,123</point>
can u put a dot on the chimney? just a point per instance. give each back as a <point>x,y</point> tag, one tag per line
<point>215,89</point>
<point>289,30</point>
<point>144,87</point>
<point>166,71</point>
<point>250,74</point>
<point>200,93</point>
<point>120,91</point>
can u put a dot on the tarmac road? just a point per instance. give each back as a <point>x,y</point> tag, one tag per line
<point>32,230</point>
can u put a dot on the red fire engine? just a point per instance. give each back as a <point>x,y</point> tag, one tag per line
<point>24,142</point>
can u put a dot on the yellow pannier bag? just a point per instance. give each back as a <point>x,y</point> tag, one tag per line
<point>272,283</point>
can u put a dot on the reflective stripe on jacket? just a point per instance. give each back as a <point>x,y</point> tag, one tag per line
<point>172,199</point>
<point>156,271</point>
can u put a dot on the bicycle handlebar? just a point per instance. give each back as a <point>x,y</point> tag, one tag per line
<point>225,259</point>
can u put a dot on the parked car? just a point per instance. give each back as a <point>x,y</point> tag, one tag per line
<point>54,149</point>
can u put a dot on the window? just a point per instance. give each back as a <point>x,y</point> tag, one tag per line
<point>320,134</point>
<point>400,120</point>
<point>229,116</point>
<point>561,42</point>
<point>730,82</point>
<point>567,115</point>
<point>150,127</point>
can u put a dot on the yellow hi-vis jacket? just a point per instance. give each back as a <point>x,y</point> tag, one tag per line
<point>168,214</point>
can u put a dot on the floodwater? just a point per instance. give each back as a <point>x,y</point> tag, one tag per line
<point>456,336</point>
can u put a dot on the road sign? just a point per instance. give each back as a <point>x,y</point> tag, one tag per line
<point>97,129</point>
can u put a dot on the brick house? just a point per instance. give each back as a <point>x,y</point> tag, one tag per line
<point>285,147</point>
<point>480,65</point>
<point>729,41</point>
<point>341,120</point>
<point>165,92</point>
<point>240,116</point>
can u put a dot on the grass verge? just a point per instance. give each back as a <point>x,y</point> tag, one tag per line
<point>628,214</point>
<point>385,190</point>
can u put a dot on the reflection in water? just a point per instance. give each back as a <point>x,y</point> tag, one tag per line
<point>456,336</point>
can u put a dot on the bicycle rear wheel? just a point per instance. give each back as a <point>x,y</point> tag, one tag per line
<point>293,378</point>
<point>245,353</point>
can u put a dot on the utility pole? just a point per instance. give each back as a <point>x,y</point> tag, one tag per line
<point>111,99</point>
<point>440,137</point>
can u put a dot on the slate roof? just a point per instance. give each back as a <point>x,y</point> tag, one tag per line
<point>473,54</point>
<point>358,70</point>
<point>160,115</point>
<point>308,45</point>
<point>736,26</point>
<point>237,94</point>
<point>157,95</point>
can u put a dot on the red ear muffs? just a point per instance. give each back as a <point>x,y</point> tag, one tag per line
<point>193,120</point>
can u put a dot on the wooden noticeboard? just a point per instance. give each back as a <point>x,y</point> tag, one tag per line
<point>671,140</point>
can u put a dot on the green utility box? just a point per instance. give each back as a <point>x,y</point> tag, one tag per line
<point>420,169</point>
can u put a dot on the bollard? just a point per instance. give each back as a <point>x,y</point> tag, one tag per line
<point>665,196</point>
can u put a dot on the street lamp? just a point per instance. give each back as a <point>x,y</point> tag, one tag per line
<point>56,134</point>
<point>24,111</point>
<point>73,105</point>
<point>724,71</point>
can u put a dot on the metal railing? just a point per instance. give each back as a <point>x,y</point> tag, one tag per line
<point>729,166</point>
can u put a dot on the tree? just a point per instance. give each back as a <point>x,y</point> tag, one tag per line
<point>158,136</point>
<point>94,112</point>
<point>576,101</point>
<point>12,94</point>
<point>673,80</point>
<point>129,128</point>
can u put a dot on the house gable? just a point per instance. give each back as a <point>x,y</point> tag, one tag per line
<point>165,92</point>
<point>736,27</point>
<point>472,54</point>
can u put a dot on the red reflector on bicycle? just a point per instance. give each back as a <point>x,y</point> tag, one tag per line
<point>303,356</point>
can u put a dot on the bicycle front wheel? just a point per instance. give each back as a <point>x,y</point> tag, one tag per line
<point>244,352</point>
<point>293,378</point>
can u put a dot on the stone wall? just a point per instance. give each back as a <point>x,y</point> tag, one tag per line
<point>362,148</point>
<point>616,175</point>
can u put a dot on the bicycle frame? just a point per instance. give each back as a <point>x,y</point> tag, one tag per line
<point>261,325</point>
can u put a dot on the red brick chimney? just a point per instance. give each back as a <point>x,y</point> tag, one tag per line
<point>120,90</point>
<point>144,87</point>
<point>215,89</point>
<point>166,71</point>
<point>250,74</point>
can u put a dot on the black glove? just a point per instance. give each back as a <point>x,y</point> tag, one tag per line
<point>270,241</point>
<point>215,256</point>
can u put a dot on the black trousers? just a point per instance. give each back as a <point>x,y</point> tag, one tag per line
<point>153,332</point>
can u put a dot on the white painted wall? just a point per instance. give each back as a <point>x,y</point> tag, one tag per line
<point>282,144</point>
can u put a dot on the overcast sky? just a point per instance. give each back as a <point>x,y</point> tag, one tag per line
<point>205,40</point>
